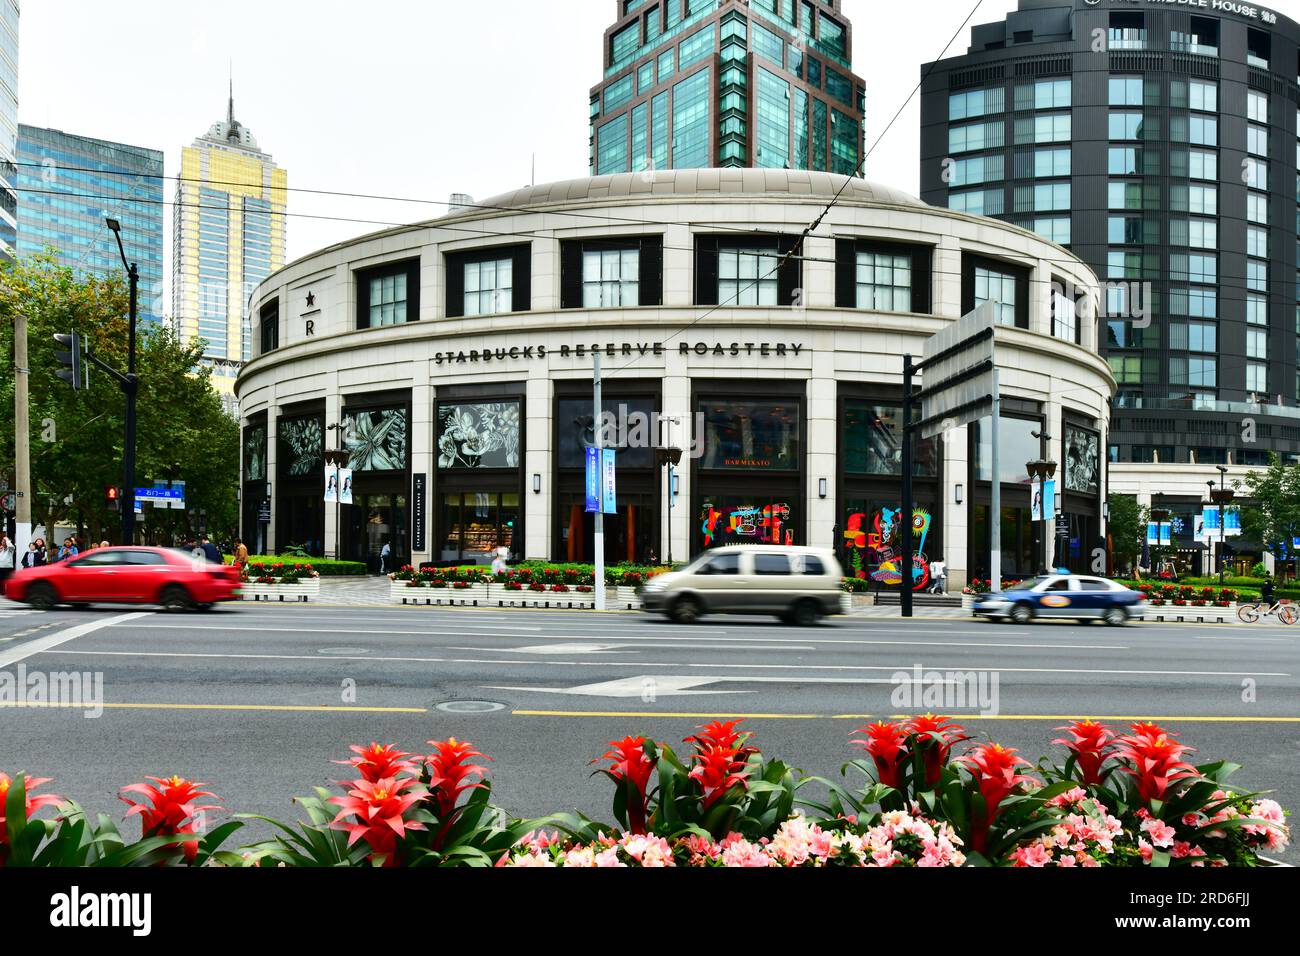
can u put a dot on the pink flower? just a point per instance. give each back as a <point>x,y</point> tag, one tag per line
<point>1162,834</point>
<point>1145,849</point>
<point>1035,855</point>
<point>742,853</point>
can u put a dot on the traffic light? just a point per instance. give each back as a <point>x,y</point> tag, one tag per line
<point>71,372</point>
<point>113,495</point>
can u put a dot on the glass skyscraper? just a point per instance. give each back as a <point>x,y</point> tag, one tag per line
<point>56,169</point>
<point>705,83</point>
<point>1158,142</point>
<point>8,127</point>
<point>229,235</point>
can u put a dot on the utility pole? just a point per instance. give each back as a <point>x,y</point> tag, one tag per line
<point>22,441</point>
<point>130,386</point>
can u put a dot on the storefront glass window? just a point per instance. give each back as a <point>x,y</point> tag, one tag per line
<point>751,436</point>
<point>255,453</point>
<point>873,436</point>
<point>873,542</point>
<point>634,437</point>
<point>376,440</point>
<point>478,436</point>
<point>735,520</point>
<point>1082,460</point>
<point>301,451</point>
<point>1018,448</point>
<point>475,524</point>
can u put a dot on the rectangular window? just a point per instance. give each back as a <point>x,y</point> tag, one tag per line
<point>1256,378</point>
<point>747,275</point>
<point>768,45</point>
<point>979,202</point>
<point>999,287</point>
<point>1203,337</point>
<point>1202,372</point>
<point>975,136</point>
<point>611,147</point>
<point>1257,208</point>
<point>611,278</point>
<point>696,47</point>
<point>1257,310</point>
<point>691,122</point>
<point>1255,173</point>
<point>979,169</point>
<point>1044,128</point>
<point>1256,275</point>
<point>1203,96</point>
<point>1256,343</point>
<point>489,286</point>
<point>1125,91</point>
<point>1051,162</point>
<point>1122,161</point>
<point>388,295</point>
<point>1257,242</point>
<point>1125,125</point>
<point>751,436</point>
<point>270,321</point>
<point>773,115</point>
<point>976,103</point>
<point>1044,95</point>
<point>1065,317</point>
<point>1203,131</point>
<point>884,282</point>
<point>1256,106</point>
<point>1257,140</point>
<point>1055,228</point>
<point>1203,164</point>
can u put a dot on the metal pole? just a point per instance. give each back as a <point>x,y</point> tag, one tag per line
<point>130,387</point>
<point>671,473</point>
<point>995,490</point>
<point>906,506</point>
<point>22,443</point>
<point>597,432</point>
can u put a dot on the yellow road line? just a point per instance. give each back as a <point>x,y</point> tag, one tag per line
<point>965,717</point>
<point>274,708</point>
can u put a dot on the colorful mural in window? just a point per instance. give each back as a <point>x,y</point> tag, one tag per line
<point>874,544</point>
<point>746,524</point>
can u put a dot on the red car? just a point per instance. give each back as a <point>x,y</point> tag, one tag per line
<point>132,575</point>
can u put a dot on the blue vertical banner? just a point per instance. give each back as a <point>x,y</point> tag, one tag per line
<point>593,479</point>
<point>608,492</point>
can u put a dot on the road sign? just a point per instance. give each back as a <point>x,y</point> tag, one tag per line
<point>8,502</point>
<point>958,373</point>
<point>160,495</point>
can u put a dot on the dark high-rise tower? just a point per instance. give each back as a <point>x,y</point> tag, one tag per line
<point>1157,141</point>
<point>700,83</point>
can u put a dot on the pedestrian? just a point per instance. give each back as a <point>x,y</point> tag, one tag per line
<point>210,550</point>
<point>104,544</point>
<point>8,558</point>
<point>384,553</point>
<point>42,557</point>
<point>241,554</point>
<point>499,561</point>
<point>68,550</point>
<point>32,557</point>
<point>939,574</point>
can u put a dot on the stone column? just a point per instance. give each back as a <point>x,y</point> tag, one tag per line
<point>423,454</point>
<point>250,534</point>
<point>538,509</point>
<point>822,426</point>
<point>333,416</point>
<point>677,405</point>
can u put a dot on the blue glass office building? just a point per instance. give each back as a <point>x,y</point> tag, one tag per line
<point>68,184</point>
<point>8,126</point>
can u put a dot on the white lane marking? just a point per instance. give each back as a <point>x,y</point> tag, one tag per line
<point>614,648</point>
<point>45,645</point>
<point>313,630</point>
<point>634,687</point>
<point>894,669</point>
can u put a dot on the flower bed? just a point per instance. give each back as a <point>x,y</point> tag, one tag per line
<point>1130,800</point>
<point>279,581</point>
<point>560,589</point>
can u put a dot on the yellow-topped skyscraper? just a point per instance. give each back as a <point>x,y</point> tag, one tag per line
<point>229,235</point>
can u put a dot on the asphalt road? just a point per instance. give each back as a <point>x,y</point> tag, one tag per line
<point>258,699</point>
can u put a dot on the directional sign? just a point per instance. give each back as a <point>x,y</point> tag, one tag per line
<point>160,494</point>
<point>958,373</point>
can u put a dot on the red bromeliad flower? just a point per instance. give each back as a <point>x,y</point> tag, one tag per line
<point>377,810</point>
<point>936,738</point>
<point>379,761</point>
<point>450,775</point>
<point>885,744</point>
<point>724,736</point>
<point>630,764</point>
<point>994,769</point>
<point>170,810</point>
<point>1091,743</point>
<point>717,770</point>
<point>1154,758</point>
<point>33,803</point>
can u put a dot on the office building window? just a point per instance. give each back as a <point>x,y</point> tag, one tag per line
<point>979,202</point>
<point>1125,91</point>
<point>611,277</point>
<point>1203,164</point>
<point>270,323</point>
<point>1125,125</point>
<point>975,136</point>
<point>1257,208</point>
<point>613,273</point>
<point>1257,140</point>
<point>1257,242</point>
<point>1123,161</point>
<point>1257,310</point>
<point>1051,162</point>
<point>1065,317</point>
<point>1256,343</point>
<point>999,287</point>
<point>1055,228</point>
<point>979,169</point>
<point>1043,128</point>
<point>1256,275</point>
<point>484,281</point>
<point>976,103</point>
<point>1256,106</point>
<point>747,275</point>
<point>1255,173</point>
<point>1203,96</point>
<point>1044,95</point>
<point>1257,378</point>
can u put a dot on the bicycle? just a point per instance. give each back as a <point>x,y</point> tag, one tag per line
<point>1251,612</point>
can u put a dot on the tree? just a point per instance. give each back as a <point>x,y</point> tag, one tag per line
<point>1273,518</point>
<point>1127,527</point>
<point>76,437</point>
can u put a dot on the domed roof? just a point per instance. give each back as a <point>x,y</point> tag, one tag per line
<point>705,183</point>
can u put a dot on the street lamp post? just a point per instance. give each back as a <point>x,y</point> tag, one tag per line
<point>1043,470</point>
<point>338,457</point>
<point>1222,496</point>
<point>672,457</point>
<point>130,386</point>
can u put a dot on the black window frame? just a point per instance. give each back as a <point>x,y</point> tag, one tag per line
<point>846,270</point>
<point>268,318</point>
<point>970,261</point>
<point>521,256</point>
<point>363,277</point>
<point>650,277</point>
<point>709,247</point>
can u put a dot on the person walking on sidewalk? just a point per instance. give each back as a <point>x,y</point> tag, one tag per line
<point>241,555</point>
<point>8,558</point>
<point>210,551</point>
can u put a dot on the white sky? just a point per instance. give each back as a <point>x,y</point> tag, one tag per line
<point>408,98</point>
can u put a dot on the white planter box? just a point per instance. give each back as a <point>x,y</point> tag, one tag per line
<point>305,590</point>
<point>1193,615</point>
<point>624,598</point>
<point>400,592</point>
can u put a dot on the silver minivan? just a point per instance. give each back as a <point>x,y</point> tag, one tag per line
<point>797,585</point>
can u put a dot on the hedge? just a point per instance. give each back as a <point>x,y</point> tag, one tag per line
<point>325,567</point>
